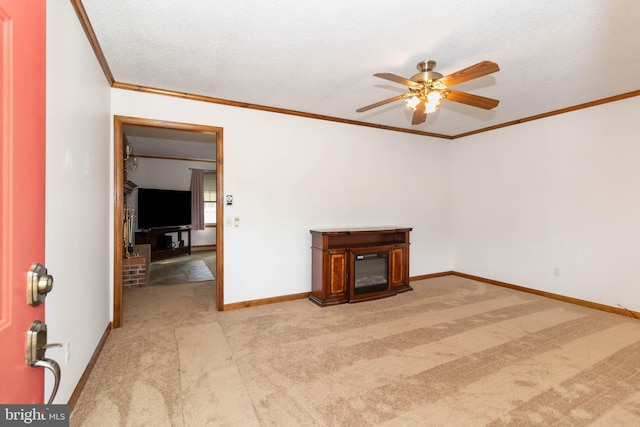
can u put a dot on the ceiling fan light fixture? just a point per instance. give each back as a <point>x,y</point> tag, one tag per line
<point>430,108</point>
<point>434,97</point>
<point>432,101</point>
<point>412,102</point>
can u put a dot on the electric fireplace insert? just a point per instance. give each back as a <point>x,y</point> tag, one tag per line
<point>371,272</point>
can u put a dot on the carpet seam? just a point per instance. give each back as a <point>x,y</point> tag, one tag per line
<point>175,339</point>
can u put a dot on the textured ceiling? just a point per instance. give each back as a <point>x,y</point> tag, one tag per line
<point>319,57</point>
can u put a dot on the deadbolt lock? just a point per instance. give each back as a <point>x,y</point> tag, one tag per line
<point>39,284</point>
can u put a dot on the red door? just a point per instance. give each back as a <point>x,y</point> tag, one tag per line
<point>22,186</point>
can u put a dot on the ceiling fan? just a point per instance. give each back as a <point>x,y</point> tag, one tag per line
<point>428,88</point>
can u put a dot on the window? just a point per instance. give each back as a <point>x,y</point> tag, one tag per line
<point>210,198</point>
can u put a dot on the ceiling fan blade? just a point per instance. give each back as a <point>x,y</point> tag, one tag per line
<point>378,104</point>
<point>473,100</point>
<point>420,114</point>
<point>397,79</point>
<point>480,69</point>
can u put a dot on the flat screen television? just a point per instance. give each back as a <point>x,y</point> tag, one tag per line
<point>163,208</point>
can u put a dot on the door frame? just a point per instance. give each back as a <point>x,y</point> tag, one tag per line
<point>118,203</point>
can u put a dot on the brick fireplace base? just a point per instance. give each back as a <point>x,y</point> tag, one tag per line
<point>134,272</point>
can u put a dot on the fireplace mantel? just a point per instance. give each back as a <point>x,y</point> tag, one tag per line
<point>337,253</point>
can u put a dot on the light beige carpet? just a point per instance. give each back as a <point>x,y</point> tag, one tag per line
<point>454,352</point>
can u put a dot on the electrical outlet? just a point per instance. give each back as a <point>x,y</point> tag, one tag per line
<point>236,221</point>
<point>556,271</point>
<point>67,352</point>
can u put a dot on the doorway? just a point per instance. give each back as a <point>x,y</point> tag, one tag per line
<point>119,202</point>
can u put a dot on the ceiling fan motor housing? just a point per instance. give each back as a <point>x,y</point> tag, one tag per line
<point>426,73</point>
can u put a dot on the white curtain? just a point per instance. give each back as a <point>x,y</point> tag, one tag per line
<point>197,199</point>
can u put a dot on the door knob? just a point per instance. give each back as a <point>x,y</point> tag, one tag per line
<point>39,284</point>
<point>36,347</point>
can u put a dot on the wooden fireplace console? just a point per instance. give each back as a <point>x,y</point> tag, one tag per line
<point>333,259</point>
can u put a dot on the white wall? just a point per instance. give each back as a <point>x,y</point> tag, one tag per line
<point>169,175</point>
<point>562,192</point>
<point>78,236</point>
<point>291,174</point>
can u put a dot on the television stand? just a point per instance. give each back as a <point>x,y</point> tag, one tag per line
<point>159,240</point>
